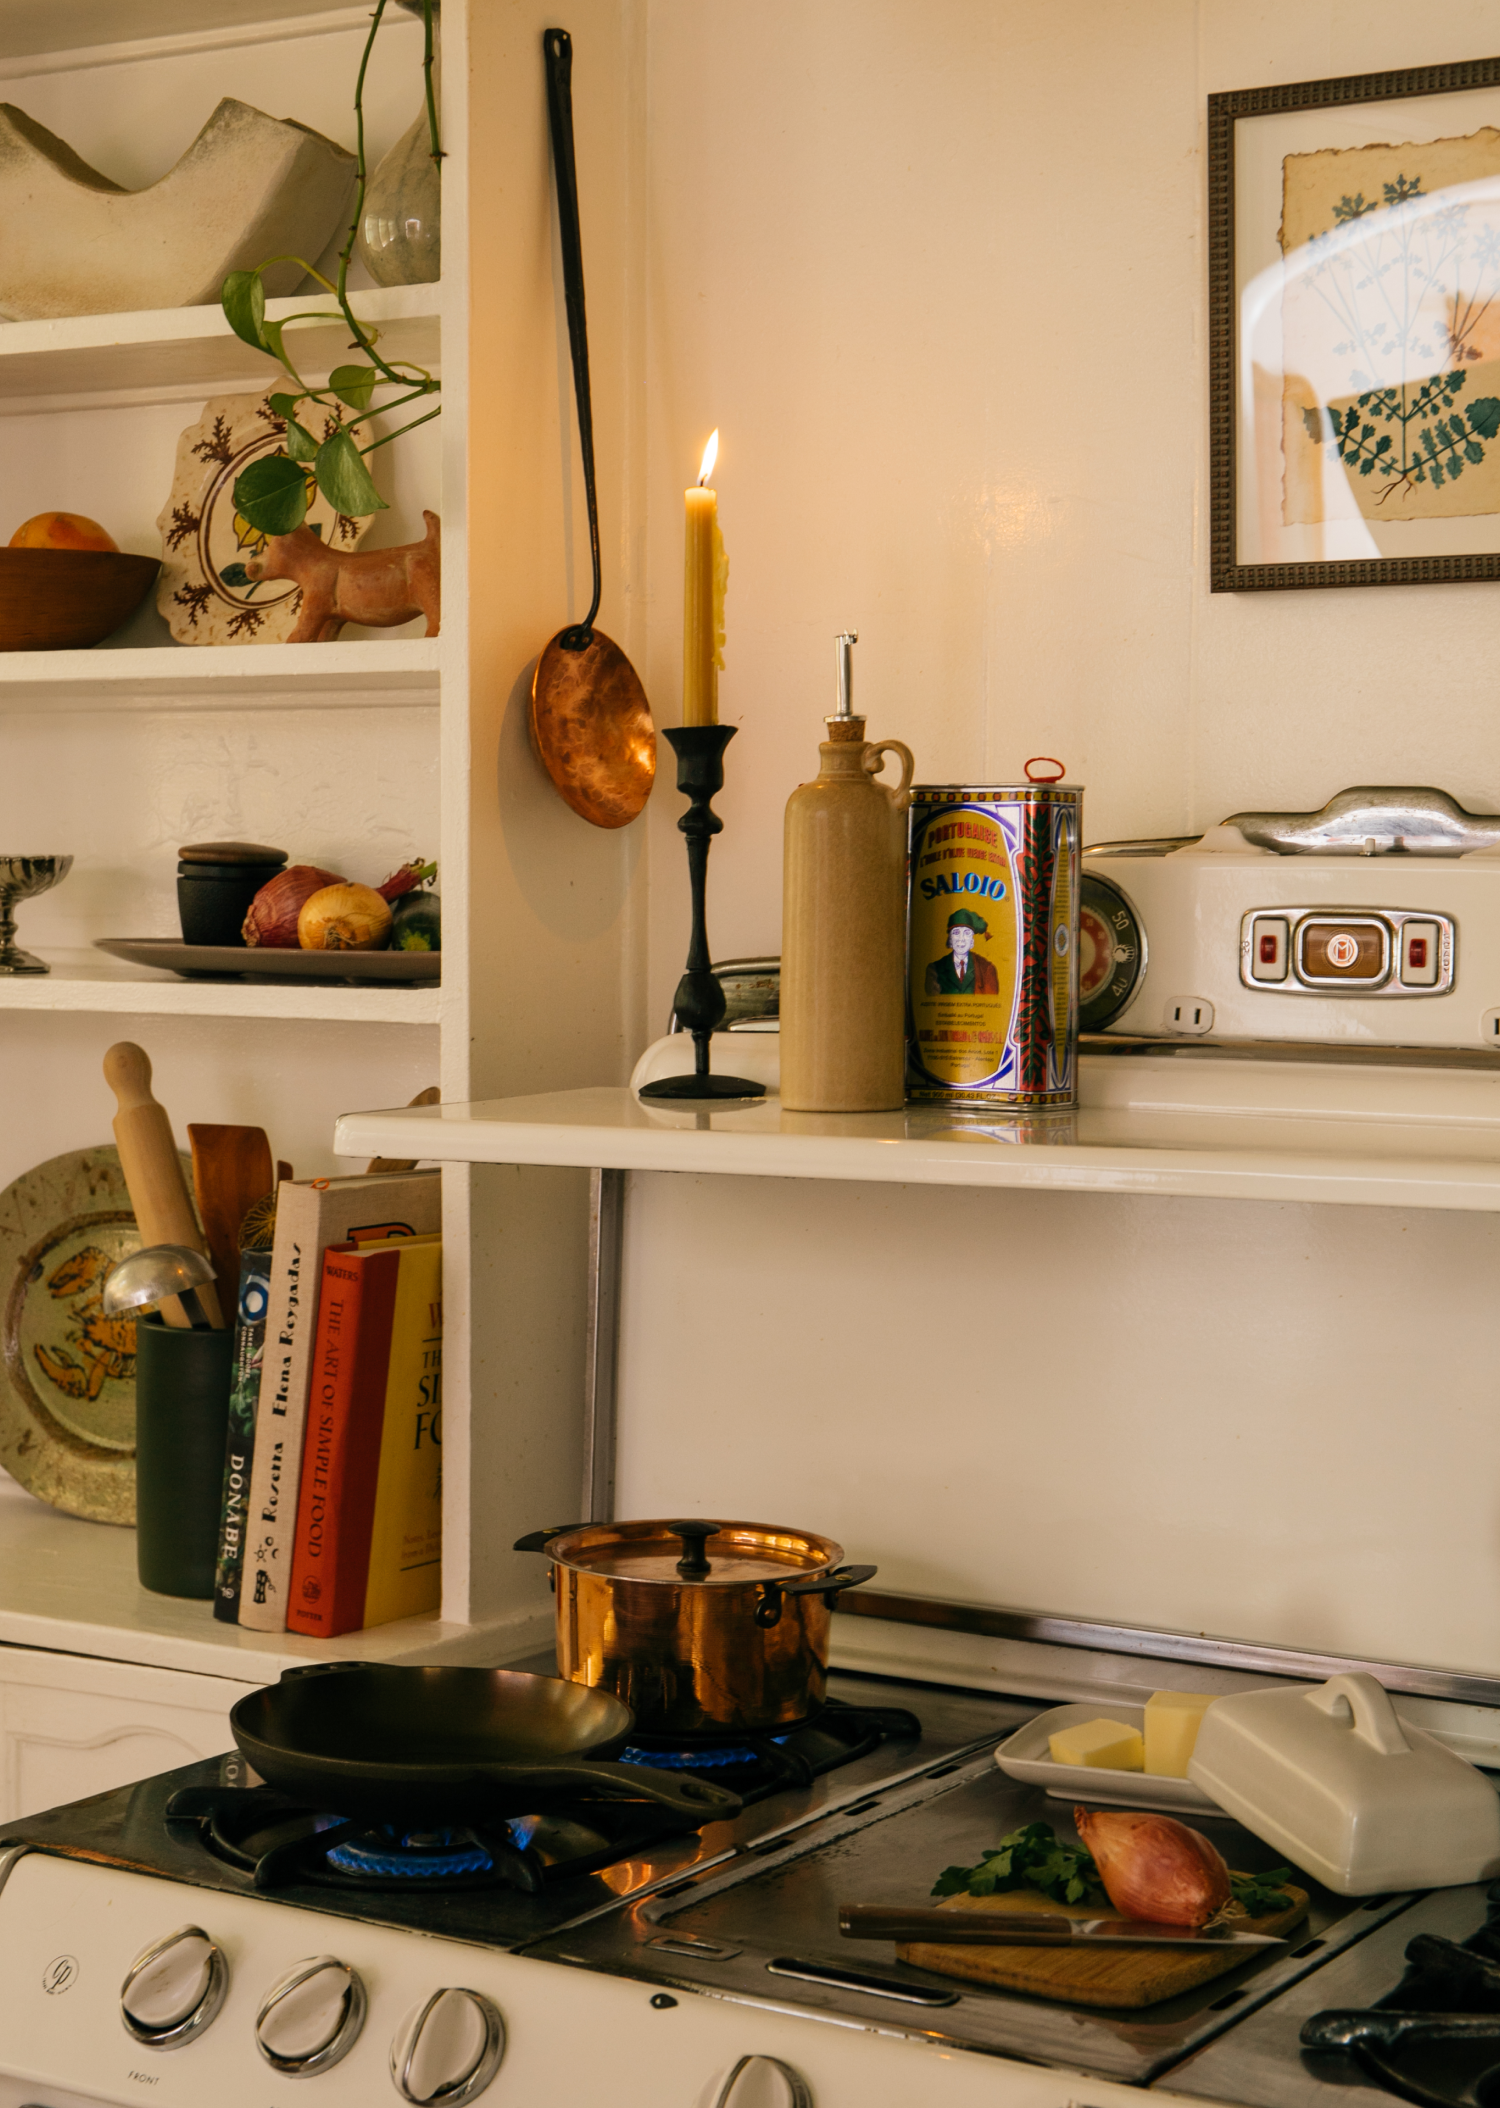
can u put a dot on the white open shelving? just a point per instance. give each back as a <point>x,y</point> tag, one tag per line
<point>1170,1123</point>
<point>175,354</point>
<point>399,673</point>
<point>94,981</point>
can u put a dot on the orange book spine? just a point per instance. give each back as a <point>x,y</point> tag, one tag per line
<point>341,1448</point>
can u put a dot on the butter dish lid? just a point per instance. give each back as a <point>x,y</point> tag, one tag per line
<point>1332,1778</point>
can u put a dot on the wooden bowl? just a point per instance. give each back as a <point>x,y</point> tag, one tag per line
<point>62,599</point>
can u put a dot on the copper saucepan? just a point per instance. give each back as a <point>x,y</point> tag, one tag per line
<point>703,1628</point>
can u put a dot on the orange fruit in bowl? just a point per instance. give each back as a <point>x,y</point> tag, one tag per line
<point>62,530</point>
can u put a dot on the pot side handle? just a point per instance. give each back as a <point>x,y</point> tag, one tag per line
<point>539,1540</point>
<point>698,1798</point>
<point>830,1584</point>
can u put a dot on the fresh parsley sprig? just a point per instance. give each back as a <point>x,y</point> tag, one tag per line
<point>1031,1857</point>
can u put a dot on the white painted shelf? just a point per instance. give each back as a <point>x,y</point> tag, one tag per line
<point>1179,1123</point>
<point>71,1587</point>
<point>93,981</point>
<point>398,673</point>
<point>176,354</point>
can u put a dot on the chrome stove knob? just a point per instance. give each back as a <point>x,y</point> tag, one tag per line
<point>764,2082</point>
<point>311,2018</point>
<point>174,1989</point>
<point>447,2050</point>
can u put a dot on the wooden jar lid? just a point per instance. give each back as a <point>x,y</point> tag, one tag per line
<point>230,853</point>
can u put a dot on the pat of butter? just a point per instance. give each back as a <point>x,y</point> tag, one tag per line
<point>1104,1743</point>
<point>1173,1719</point>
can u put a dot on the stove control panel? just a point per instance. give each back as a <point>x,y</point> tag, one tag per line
<point>312,2017</point>
<point>448,2049</point>
<point>173,1989</point>
<point>1336,951</point>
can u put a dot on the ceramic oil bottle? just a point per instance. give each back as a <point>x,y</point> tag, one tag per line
<point>843,932</point>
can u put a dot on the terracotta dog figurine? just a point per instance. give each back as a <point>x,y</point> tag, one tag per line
<point>375,587</point>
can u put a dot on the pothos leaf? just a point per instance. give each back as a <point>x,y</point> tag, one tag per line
<point>300,443</point>
<point>343,478</point>
<point>271,495</point>
<point>353,385</point>
<point>270,337</point>
<point>243,298</point>
<point>283,405</point>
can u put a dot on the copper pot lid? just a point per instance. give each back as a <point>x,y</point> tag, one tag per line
<point>693,1551</point>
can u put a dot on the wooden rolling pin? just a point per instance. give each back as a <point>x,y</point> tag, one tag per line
<point>153,1170</point>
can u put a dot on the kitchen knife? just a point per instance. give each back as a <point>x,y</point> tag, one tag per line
<point>859,1921</point>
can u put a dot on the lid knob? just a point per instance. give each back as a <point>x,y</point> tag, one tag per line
<point>693,1564</point>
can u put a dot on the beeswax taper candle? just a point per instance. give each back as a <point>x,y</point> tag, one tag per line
<point>705,576</point>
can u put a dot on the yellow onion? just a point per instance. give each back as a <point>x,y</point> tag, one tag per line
<point>272,917</point>
<point>344,918</point>
<point>1155,1868</point>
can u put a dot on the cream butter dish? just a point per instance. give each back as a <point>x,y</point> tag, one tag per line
<point>1332,1779</point>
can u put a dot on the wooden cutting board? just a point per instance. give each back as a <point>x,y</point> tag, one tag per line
<point>1098,1976</point>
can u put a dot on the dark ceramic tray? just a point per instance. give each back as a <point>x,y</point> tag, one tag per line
<point>233,962</point>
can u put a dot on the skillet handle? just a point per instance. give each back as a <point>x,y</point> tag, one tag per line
<point>538,1540</point>
<point>698,1799</point>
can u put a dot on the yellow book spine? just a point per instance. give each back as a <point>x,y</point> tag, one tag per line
<point>406,1541</point>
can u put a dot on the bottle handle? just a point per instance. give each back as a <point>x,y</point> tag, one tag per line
<point>872,763</point>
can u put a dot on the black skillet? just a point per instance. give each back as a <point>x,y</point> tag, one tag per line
<point>451,1745</point>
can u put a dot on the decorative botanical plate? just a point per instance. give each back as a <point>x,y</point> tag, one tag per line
<point>221,962</point>
<point>205,592</point>
<point>1027,1756</point>
<point>67,1372</point>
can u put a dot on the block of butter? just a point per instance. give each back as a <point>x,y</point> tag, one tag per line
<point>1105,1744</point>
<point>1173,1719</point>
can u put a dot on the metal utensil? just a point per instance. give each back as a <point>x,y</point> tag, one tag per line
<point>143,1279</point>
<point>22,878</point>
<point>590,720</point>
<point>1041,1928</point>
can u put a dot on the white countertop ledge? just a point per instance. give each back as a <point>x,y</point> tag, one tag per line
<point>1164,1123</point>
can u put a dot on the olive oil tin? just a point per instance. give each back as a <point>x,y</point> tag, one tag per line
<point>992,945</point>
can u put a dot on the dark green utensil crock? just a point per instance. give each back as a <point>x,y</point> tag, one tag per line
<point>181,1413</point>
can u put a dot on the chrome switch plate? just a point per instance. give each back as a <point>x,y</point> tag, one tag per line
<point>1348,951</point>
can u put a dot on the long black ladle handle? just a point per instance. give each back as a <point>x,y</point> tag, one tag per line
<point>557,47</point>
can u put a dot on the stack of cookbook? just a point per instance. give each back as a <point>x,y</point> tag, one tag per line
<point>332,1515</point>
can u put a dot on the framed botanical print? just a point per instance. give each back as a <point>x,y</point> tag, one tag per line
<point>1354,330</point>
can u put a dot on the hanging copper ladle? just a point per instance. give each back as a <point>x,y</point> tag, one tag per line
<point>590,721</point>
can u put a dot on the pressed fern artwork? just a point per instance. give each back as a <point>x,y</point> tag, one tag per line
<point>1391,317</point>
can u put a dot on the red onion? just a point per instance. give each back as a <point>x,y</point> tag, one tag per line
<point>272,918</point>
<point>1155,1868</point>
<point>412,874</point>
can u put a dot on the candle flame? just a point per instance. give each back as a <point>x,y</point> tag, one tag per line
<point>710,456</point>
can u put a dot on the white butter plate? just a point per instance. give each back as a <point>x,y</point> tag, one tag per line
<point>1026,1756</point>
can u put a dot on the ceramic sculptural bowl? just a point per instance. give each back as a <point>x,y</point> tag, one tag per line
<point>250,186</point>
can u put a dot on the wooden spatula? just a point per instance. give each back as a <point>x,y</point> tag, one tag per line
<point>153,1170</point>
<point>232,1169</point>
<point>431,1096</point>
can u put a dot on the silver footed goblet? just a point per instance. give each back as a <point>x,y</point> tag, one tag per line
<point>22,877</point>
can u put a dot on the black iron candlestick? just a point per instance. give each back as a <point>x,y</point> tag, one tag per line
<point>699,1001</point>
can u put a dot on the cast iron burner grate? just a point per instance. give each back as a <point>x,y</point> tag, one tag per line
<point>1435,2038</point>
<point>757,1765</point>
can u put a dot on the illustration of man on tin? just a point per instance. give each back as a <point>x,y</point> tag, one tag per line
<point>962,970</point>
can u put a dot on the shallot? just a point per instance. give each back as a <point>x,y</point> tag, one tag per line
<point>344,918</point>
<point>1155,1868</point>
<point>272,916</point>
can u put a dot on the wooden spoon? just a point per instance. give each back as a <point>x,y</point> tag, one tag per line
<point>153,1170</point>
<point>590,720</point>
<point>231,1172</point>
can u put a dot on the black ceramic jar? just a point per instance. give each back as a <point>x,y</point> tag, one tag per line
<point>216,882</point>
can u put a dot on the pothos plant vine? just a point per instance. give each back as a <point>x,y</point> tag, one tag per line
<point>273,493</point>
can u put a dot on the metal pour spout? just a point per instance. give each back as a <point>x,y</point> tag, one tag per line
<point>844,645</point>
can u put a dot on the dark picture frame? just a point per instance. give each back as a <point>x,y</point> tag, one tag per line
<point>1232,568</point>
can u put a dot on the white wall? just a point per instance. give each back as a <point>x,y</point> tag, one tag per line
<point>938,273</point>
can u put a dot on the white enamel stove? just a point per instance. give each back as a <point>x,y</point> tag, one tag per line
<point>1376,920</point>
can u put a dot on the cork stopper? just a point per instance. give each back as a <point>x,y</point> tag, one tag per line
<point>844,731</point>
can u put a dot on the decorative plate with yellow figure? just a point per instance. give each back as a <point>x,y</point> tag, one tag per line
<point>205,591</point>
<point>67,1371</point>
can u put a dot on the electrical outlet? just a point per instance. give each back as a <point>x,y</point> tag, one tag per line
<point>1489,1030</point>
<point>1190,1013</point>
